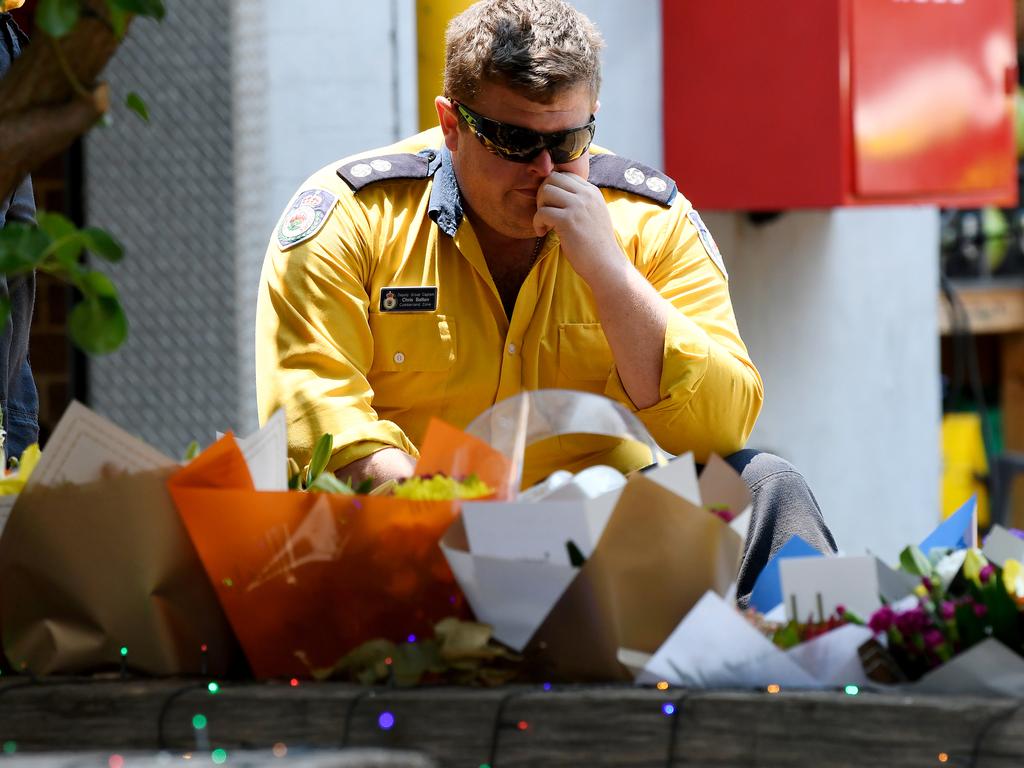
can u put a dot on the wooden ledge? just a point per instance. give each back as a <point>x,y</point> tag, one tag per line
<point>992,307</point>
<point>566,726</point>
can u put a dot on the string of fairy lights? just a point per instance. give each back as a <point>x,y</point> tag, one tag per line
<point>387,719</point>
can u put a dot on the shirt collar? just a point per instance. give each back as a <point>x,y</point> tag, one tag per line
<point>445,206</point>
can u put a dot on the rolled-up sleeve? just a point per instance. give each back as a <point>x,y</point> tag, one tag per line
<point>313,342</point>
<point>711,393</point>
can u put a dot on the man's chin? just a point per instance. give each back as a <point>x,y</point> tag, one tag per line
<point>519,228</point>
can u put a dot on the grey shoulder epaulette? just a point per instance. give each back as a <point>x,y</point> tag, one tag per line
<point>361,173</point>
<point>630,176</point>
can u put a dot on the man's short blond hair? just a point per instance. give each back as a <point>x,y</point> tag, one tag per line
<point>539,48</point>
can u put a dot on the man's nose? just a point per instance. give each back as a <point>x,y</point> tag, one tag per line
<point>542,165</point>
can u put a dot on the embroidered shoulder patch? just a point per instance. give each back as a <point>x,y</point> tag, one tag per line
<point>630,176</point>
<point>305,216</point>
<point>709,242</point>
<point>361,173</point>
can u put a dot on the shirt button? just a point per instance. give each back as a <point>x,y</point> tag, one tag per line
<point>399,358</point>
<point>511,349</point>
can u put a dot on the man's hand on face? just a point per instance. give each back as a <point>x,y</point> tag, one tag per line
<point>388,464</point>
<point>576,210</point>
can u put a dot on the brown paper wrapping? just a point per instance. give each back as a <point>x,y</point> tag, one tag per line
<point>657,556</point>
<point>87,569</point>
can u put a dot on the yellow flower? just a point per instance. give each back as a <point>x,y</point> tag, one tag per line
<point>10,5</point>
<point>973,564</point>
<point>442,488</point>
<point>15,482</point>
<point>1013,579</point>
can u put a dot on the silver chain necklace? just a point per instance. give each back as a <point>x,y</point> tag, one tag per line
<point>536,252</point>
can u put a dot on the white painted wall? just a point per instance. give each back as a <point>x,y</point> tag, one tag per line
<point>629,121</point>
<point>838,309</point>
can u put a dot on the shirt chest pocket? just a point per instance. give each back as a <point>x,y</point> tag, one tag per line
<point>412,343</point>
<point>584,357</point>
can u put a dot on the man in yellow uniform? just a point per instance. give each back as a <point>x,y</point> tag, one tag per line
<point>502,252</point>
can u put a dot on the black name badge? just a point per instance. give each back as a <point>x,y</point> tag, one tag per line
<point>421,298</point>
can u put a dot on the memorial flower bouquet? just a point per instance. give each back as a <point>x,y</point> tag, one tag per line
<point>962,600</point>
<point>307,573</point>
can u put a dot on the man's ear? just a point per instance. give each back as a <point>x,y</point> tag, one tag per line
<point>449,121</point>
<point>597,107</point>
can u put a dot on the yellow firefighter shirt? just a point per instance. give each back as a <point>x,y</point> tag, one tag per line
<point>376,311</point>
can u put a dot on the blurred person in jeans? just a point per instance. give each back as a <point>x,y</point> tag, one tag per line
<point>18,397</point>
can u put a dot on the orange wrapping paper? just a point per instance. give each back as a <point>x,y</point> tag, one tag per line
<point>312,575</point>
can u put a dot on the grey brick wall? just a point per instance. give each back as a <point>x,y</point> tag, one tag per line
<point>166,190</point>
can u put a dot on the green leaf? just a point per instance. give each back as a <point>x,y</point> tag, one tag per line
<point>135,103</point>
<point>411,661</point>
<point>118,19</point>
<point>98,325</point>
<point>325,482</point>
<point>787,635</point>
<point>96,284</point>
<point>56,225</point>
<point>66,241</point>
<point>57,17</point>
<point>192,451</point>
<point>153,8</point>
<point>101,243</point>
<point>321,455</point>
<point>576,558</point>
<point>912,560</point>
<point>21,247</point>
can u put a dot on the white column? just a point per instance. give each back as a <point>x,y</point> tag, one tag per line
<point>314,81</point>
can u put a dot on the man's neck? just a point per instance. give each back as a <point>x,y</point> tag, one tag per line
<point>499,248</point>
<point>509,260</point>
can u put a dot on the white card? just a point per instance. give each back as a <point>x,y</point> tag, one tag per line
<point>512,596</point>
<point>1001,545</point>
<point>537,531</point>
<point>679,476</point>
<point>84,446</point>
<point>266,454</point>
<point>715,647</point>
<point>986,669</point>
<point>851,582</point>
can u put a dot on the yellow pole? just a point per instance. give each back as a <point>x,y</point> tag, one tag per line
<point>432,17</point>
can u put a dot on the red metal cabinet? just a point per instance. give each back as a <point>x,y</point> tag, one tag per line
<point>775,104</point>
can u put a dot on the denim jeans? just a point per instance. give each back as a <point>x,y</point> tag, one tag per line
<point>19,400</point>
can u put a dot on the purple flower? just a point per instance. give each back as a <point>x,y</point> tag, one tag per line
<point>980,610</point>
<point>933,638</point>
<point>986,573</point>
<point>947,610</point>
<point>928,584</point>
<point>911,622</point>
<point>881,619</point>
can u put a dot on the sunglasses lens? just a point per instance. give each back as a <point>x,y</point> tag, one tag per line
<point>572,145</point>
<point>522,145</point>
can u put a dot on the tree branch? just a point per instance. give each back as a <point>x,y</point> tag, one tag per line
<point>30,137</point>
<point>40,112</point>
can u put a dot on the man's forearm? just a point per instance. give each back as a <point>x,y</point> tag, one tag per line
<point>634,318</point>
<point>384,465</point>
